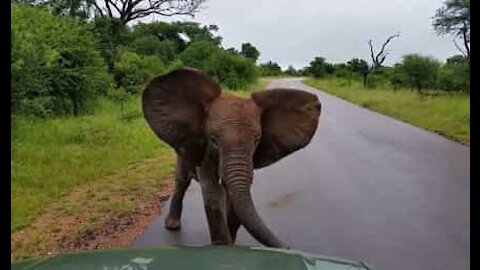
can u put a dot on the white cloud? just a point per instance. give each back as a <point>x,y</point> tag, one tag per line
<point>294,32</point>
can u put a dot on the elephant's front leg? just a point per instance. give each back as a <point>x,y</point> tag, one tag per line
<point>182,181</point>
<point>214,199</point>
<point>232,221</point>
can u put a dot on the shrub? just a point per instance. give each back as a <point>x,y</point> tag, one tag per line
<point>318,67</point>
<point>133,71</point>
<point>55,67</point>
<point>270,69</point>
<point>234,71</point>
<point>149,45</point>
<point>455,74</point>
<point>420,71</point>
<point>230,69</point>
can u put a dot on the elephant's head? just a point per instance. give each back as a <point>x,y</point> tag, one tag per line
<point>187,110</point>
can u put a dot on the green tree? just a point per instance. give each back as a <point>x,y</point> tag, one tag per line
<point>454,18</point>
<point>455,74</point>
<point>270,69</point>
<point>358,66</point>
<point>111,34</point>
<point>318,67</point>
<point>56,67</point>
<point>249,51</point>
<point>133,71</point>
<point>178,33</point>
<point>420,71</point>
<point>148,45</point>
<point>232,70</point>
<point>291,71</point>
<point>123,10</point>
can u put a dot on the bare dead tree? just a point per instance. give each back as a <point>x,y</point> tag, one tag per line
<point>464,52</point>
<point>129,10</point>
<point>377,59</point>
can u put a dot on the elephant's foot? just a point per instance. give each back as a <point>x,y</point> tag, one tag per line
<point>222,241</point>
<point>172,223</point>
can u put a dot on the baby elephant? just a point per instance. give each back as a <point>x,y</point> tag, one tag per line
<point>220,139</point>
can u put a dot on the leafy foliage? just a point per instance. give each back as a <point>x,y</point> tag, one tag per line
<point>229,68</point>
<point>454,18</point>
<point>455,74</point>
<point>249,51</point>
<point>420,71</point>
<point>56,67</point>
<point>133,71</point>
<point>319,68</point>
<point>270,69</point>
<point>291,71</point>
<point>357,66</point>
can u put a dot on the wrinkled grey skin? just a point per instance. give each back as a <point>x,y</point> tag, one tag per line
<point>220,139</point>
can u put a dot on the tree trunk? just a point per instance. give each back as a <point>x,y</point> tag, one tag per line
<point>465,42</point>
<point>365,79</point>
<point>76,106</point>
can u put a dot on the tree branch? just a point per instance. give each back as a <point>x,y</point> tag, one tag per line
<point>97,7</point>
<point>371,52</point>
<point>107,5</point>
<point>379,63</point>
<point>129,10</point>
<point>379,58</point>
<point>459,48</point>
<point>466,39</point>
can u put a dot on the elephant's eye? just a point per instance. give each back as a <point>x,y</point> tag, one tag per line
<point>213,140</point>
<point>257,140</point>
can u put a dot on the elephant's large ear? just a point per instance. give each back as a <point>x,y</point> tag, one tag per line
<point>289,121</point>
<point>175,107</point>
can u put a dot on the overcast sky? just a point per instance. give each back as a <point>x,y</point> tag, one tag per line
<point>294,32</point>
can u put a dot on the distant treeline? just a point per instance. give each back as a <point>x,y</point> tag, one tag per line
<point>61,64</point>
<point>414,71</point>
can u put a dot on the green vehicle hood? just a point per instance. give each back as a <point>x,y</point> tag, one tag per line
<point>200,258</point>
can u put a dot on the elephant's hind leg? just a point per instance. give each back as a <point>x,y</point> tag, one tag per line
<point>183,178</point>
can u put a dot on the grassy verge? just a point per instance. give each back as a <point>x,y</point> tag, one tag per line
<point>50,157</point>
<point>106,213</point>
<point>447,114</point>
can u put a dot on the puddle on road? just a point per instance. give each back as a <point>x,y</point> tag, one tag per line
<point>285,199</point>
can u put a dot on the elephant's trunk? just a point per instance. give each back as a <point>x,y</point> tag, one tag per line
<point>237,175</point>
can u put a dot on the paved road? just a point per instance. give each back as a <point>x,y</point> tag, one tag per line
<point>368,188</point>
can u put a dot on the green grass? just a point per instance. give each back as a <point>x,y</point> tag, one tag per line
<point>49,157</point>
<point>447,114</point>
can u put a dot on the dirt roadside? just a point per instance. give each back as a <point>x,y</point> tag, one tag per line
<point>103,214</point>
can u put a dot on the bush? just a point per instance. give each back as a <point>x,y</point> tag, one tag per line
<point>149,45</point>
<point>111,33</point>
<point>380,78</point>
<point>230,69</point>
<point>201,55</point>
<point>455,74</point>
<point>270,69</point>
<point>235,72</point>
<point>420,71</point>
<point>318,67</point>
<point>55,67</point>
<point>133,71</point>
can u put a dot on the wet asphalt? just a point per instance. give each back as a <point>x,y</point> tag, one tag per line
<point>368,187</point>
